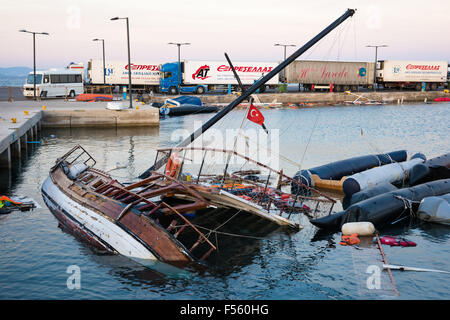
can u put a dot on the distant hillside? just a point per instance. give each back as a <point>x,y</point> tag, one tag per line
<point>14,76</point>
<point>15,72</point>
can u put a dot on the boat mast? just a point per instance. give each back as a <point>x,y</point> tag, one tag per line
<point>253,89</point>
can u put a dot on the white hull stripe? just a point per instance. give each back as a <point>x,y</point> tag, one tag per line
<point>102,227</point>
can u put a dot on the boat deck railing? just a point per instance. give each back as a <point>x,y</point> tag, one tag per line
<point>263,192</point>
<point>77,155</point>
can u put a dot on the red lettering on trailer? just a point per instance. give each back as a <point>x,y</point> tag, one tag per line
<point>224,68</point>
<point>148,67</point>
<point>422,67</point>
<point>333,75</point>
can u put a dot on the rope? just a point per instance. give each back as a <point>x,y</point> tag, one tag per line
<point>247,139</point>
<point>230,234</point>
<point>407,203</point>
<point>309,140</point>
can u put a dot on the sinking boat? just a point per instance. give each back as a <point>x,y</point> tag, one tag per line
<point>433,169</point>
<point>385,208</point>
<point>150,219</point>
<point>144,220</point>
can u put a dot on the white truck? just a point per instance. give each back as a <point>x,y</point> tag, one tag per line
<point>201,76</point>
<point>144,75</point>
<point>428,75</point>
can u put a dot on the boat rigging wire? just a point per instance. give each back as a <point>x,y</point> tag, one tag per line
<point>309,140</point>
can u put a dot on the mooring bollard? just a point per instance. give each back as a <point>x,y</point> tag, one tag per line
<point>10,99</point>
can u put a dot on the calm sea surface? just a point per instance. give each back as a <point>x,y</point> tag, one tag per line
<point>35,253</point>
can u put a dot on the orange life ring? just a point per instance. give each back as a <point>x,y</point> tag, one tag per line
<point>173,164</point>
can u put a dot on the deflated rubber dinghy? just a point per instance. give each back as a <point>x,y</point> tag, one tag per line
<point>435,209</point>
<point>184,100</point>
<point>337,170</point>
<point>384,208</point>
<point>389,173</point>
<point>367,194</point>
<point>433,169</point>
<point>186,109</point>
<point>184,105</point>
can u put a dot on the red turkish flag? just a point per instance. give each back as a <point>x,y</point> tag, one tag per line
<point>256,116</point>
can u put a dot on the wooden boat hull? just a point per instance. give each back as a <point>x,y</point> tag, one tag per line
<point>94,228</point>
<point>100,221</point>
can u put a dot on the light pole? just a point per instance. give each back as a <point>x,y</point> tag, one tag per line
<point>34,56</point>
<point>129,62</point>
<point>179,44</point>
<point>104,69</point>
<point>284,45</point>
<point>375,68</point>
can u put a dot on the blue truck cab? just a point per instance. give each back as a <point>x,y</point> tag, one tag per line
<point>170,80</point>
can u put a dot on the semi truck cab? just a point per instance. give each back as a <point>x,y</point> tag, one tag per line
<point>171,80</point>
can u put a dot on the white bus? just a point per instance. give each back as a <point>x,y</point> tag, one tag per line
<point>54,83</point>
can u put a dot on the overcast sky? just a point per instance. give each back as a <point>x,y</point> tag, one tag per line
<point>246,29</point>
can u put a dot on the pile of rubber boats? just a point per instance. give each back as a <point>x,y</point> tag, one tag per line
<point>183,105</point>
<point>384,188</point>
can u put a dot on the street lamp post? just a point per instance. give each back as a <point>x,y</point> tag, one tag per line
<point>129,61</point>
<point>104,69</point>
<point>34,57</point>
<point>376,60</point>
<point>179,44</point>
<point>284,45</point>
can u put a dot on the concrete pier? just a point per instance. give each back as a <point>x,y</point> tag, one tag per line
<point>100,118</point>
<point>14,136</point>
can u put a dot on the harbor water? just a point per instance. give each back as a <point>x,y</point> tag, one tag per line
<point>35,254</point>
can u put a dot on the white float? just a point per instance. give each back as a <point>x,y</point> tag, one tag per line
<point>361,228</point>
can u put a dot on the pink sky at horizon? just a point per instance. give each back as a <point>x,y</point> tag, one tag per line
<point>246,30</point>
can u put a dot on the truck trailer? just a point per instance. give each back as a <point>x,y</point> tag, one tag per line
<point>418,75</point>
<point>339,75</point>
<point>202,76</point>
<point>144,75</point>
